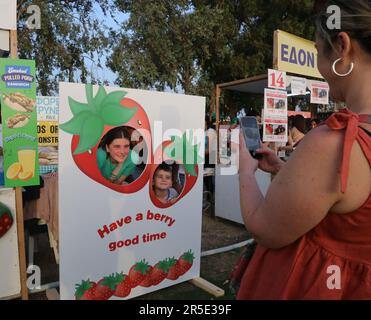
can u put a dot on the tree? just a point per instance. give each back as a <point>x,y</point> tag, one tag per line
<point>70,34</point>
<point>160,45</point>
<point>249,51</point>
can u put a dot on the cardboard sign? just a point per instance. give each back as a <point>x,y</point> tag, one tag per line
<point>8,14</point>
<point>19,120</point>
<point>134,227</point>
<point>319,92</point>
<point>277,79</point>
<point>47,129</point>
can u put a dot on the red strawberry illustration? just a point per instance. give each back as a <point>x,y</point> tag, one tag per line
<point>138,273</point>
<point>159,272</point>
<point>186,261</point>
<point>123,288</point>
<point>188,158</point>
<point>106,287</point>
<point>92,120</point>
<point>6,219</point>
<point>174,269</point>
<point>147,282</point>
<point>85,290</point>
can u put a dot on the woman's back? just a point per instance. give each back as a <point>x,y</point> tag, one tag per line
<point>337,249</point>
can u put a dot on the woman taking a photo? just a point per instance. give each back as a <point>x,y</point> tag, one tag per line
<point>313,228</point>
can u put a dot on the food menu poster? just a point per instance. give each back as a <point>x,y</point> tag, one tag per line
<point>19,122</point>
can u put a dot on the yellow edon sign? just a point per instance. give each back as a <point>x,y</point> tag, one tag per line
<point>295,55</point>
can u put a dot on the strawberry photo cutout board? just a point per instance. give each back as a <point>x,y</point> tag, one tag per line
<point>130,207</point>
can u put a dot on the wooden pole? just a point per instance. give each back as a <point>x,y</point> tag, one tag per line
<point>13,44</point>
<point>21,243</point>
<point>217,116</point>
<point>19,200</point>
<point>275,50</point>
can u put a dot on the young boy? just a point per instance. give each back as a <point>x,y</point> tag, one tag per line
<point>162,184</point>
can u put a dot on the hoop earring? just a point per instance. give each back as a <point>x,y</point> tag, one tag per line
<point>342,74</point>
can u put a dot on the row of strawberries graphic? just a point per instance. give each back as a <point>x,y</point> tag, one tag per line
<point>140,274</point>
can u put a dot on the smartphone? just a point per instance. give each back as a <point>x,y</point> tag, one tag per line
<point>250,129</point>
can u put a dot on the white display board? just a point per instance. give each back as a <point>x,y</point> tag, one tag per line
<point>8,14</point>
<point>106,228</point>
<point>227,193</point>
<point>9,259</point>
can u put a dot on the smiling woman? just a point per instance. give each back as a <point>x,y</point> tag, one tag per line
<point>116,161</point>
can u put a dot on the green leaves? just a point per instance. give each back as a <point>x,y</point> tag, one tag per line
<point>77,107</point>
<point>116,115</point>
<point>90,118</point>
<point>90,134</point>
<point>74,126</point>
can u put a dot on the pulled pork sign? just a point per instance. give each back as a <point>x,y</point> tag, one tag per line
<point>18,111</point>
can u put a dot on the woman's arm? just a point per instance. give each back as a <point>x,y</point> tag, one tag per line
<point>300,196</point>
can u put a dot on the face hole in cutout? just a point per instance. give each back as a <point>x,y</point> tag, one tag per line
<point>121,155</point>
<point>168,182</point>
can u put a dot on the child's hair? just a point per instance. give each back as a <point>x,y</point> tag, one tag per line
<point>115,133</point>
<point>164,167</point>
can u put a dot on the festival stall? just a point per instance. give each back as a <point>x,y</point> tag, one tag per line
<point>293,56</point>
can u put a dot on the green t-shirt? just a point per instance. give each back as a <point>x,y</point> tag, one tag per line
<point>106,166</point>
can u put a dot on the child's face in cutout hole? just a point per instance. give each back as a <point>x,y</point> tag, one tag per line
<point>163,180</point>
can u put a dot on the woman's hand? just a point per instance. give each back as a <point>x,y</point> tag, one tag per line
<point>247,164</point>
<point>270,162</point>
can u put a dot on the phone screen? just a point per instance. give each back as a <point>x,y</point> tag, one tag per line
<point>251,133</point>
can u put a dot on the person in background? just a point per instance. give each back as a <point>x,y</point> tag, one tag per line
<point>296,134</point>
<point>313,226</point>
<point>314,123</point>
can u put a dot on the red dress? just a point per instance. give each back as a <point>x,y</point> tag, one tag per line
<point>303,270</point>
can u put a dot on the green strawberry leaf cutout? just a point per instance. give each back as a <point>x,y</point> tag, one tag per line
<point>90,134</point>
<point>90,118</point>
<point>74,126</point>
<point>182,149</point>
<point>114,115</point>
<point>98,100</point>
<point>89,94</point>
<point>77,107</point>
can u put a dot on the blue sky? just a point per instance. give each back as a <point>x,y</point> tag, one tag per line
<point>104,73</point>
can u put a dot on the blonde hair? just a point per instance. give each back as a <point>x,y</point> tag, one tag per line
<point>355,20</point>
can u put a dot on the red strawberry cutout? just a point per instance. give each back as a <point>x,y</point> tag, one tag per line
<point>159,272</point>
<point>147,282</point>
<point>123,287</point>
<point>166,152</point>
<point>174,269</point>
<point>186,261</point>
<point>106,287</point>
<point>138,272</point>
<point>6,219</point>
<point>86,290</point>
<point>92,120</point>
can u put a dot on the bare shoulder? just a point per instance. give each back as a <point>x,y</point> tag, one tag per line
<point>309,183</point>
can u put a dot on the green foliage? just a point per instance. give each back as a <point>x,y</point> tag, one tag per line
<point>190,46</point>
<point>70,35</point>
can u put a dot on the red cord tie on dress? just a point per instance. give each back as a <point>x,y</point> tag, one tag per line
<point>345,119</point>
